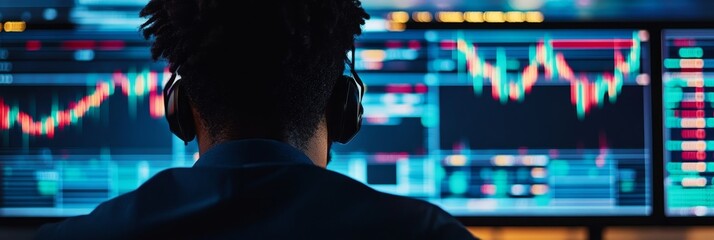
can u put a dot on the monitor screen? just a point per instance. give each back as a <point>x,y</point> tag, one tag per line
<point>506,122</point>
<point>481,123</point>
<point>81,120</point>
<point>688,78</point>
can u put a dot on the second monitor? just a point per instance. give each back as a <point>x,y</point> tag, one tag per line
<point>499,123</point>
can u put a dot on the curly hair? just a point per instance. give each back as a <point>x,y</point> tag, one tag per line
<point>297,47</point>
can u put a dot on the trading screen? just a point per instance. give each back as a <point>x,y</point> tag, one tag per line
<point>507,122</point>
<point>687,86</point>
<point>482,123</point>
<point>81,120</point>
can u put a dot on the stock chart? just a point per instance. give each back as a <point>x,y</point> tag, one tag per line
<point>482,123</point>
<point>512,122</point>
<point>687,102</point>
<point>81,120</point>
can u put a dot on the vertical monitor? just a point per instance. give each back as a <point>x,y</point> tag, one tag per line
<point>688,81</point>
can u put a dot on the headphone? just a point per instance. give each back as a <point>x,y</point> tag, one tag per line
<point>177,109</point>
<point>344,113</point>
<point>344,118</point>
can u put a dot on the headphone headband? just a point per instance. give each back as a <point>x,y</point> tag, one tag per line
<point>170,84</point>
<point>353,70</point>
<point>177,109</point>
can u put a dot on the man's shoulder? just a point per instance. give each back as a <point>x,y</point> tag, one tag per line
<point>415,216</point>
<point>326,195</point>
<point>339,182</point>
<point>308,193</point>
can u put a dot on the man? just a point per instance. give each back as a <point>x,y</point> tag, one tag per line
<point>261,87</point>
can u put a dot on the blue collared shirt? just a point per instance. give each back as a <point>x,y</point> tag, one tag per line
<point>257,189</point>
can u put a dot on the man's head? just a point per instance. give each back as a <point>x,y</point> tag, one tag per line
<point>266,70</point>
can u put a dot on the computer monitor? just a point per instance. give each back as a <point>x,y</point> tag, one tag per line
<point>479,122</point>
<point>687,96</point>
<point>81,120</point>
<point>507,122</point>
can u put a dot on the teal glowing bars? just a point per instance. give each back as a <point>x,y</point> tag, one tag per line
<point>688,111</point>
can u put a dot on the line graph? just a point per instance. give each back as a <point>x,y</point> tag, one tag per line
<point>133,85</point>
<point>587,90</point>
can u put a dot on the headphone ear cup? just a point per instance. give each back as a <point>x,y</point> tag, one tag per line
<point>345,116</point>
<point>178,113</point>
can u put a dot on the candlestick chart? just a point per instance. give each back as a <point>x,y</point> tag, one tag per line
<point>538,59</point>
<point>584,93</point>
<point>81,120</point>
<point>133,85</point>
<point>57,85</point>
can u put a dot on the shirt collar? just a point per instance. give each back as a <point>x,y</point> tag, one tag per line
<point>250,153</point>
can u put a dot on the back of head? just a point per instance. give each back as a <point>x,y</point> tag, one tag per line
<point>264,70</point>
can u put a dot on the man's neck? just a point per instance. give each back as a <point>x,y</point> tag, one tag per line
<point>316,148</point>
